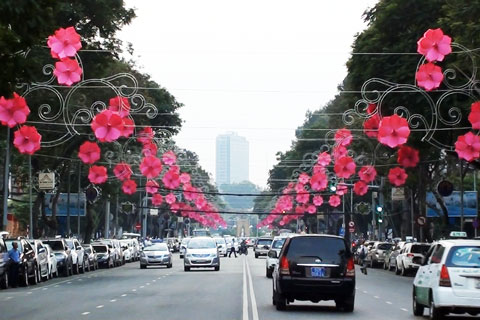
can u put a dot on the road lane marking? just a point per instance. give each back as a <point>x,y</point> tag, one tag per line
<point>85,313</point>
<point>113,300</point>
<point>403,309</point>
<point>30,292</point>
<point>100,306</point>
<point>124,295</point>
<point>388,302</point>
<point>134,290</point>
<point>365,291</point>
<point>245,294</point>
<point>154,280</point>
<point>56,286</point>
<point>69,282</point>
<point>252,293</point>
<point>141,287</point>
<point>376,297</point>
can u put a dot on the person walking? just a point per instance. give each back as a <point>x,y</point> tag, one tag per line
<point>14,255</point>
<point>362,255</point>
<point>232,249</point>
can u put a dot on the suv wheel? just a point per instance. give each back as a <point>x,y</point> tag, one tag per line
<point>347,304</point>
<point>397,269</point>
<point>39,275</point>
<point>403,271</point>
<point>35,275</point>
<point>417,308</point>
<point>280,301</point>
<point>435,313</point>
<point>83,267</point>
<point>185,268</point>
<point>143,266</point>
<point>268,272</point>
<point>25,276</point>
<point>256,256</point>
<point>76,268</point>
<point>4,282</point>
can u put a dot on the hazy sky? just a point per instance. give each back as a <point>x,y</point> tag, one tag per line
<point>253,67</point>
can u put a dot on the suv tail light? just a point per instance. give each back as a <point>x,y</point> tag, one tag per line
<point>284,266</point>
<point>410,255</point>
<point>444,277</point>
<point>350,268</point>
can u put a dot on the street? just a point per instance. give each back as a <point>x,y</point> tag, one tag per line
<point>158,293</point>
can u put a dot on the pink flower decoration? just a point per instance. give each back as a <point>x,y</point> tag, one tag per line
<point>360,188</point>
<point>171,179</point>
<point>119,105</point>
<point>27,140</point>
<point>285,203</point>
<point>151,167</point>
<point>339,152</point>
<point>189,192</point>
<point>311,209</point>
<point>89,152</point>
<point>468,147</point>
<point>334,201</point>
<point>129,187</point>
<point>185,178</point>
<point>367,173</point>
<point>319,181</point>
<point>434,45</point>
<point>157,199</point>
<point>299,187</point>
<point>170,198</point>
<point>370,126</point>
<point>151,186</point>
<point>429,76</point>
<point>122,171</point>
<point>324,159</point>
<point>397,176</point>
<point>149,149</point>
<point>201,202</point>
<point>145,136</point>
<point>303,178</point>
<point>13,111</point>
<point>64,43</point>
<point>169,158</point>
<point>318,169</point>
<point>107,126</point>
<point>371,108</point>
<point>474,116</point>
<point>408,157</point>
<point>303,197</point>
<point>127,128</point>
<point>67,71</point>
<point>393,131</point>
<point>97,174</point>
<point>317,200</point>
<point>343,137</point>
<point>344,167</point>
<point>342,189</point>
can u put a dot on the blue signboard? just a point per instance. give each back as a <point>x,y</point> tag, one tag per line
<point>452,203</point>
<point>62,204</point>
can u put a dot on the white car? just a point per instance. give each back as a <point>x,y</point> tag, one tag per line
<point>183,246</point>
<point>449,280</point>
<point>222,246</point>
<point>201,252</point>
<point>78,255</point>
<point>127,249</point>
<point>410,257</point>
<point>52,262</point>
<point>271,261</point>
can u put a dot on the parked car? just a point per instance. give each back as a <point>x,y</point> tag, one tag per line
<point>376,255</point>
<point>271,260</point>
<point>201,252</point>
<point>4,264</point>
<point>105,255</point>
<point>449,279</point>
<point>158,254</point>
<point>262,246</point>
<point>118,248</point>
<point>52,262</point>
<point>183,246</point>
<point>28,269</point>
<point>90,257</point>
<point>63,255</point>
<point>114,250</point>
<point>78,255</point>
<point>314,268</point>
<point>222,246</point>
<point>127,252</point>
<point>410,257</point>
<point>41,257</point>
<point>391,256</point>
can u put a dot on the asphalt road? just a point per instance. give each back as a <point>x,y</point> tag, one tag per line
<point>239,290</point>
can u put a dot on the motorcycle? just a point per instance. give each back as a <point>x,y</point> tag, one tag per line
<point>243,249</point>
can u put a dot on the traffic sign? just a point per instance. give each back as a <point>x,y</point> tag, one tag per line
<point>421,221</point>
<point>138,226</point>
<point>154,212</point>
<point>351,224</point>
<point>46,180</point>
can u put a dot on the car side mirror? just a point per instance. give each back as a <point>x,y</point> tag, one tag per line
<point>272,254</point>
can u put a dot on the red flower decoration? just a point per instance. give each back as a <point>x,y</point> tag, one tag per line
<point>67,71</point>
<point>344,167</point>
<point>127,128</point>
<point>311,209</point>
<point>474,116</point>
<point>360,188</point>
<point>303,197</point>
<point>189,192</point>
<point>185,178</point>
<point>318,169</point>
<point>303,178</point>
<point>89,152</point>
<point>27,140</point>
<point>169,158</point>
<point>170,198</point>
<point>151,167</point>
<point>119,105</point>
<point>122,171</point>
<point>408,157</point>
<point>151,186</point>
<point>317,200</point>
<point>339,152</point>
<point>149,149</point>
<point>434,45</point>
<point>145,136</point>
<point>319,181</point>
<point>343,137</point>
<point>13,111</point>
<point>201,202</point>
<point>97,174</point>
<point>370,126</point>
<point>341,189</point>
<point>64,43</point>
<point>129,187</point>
<point>429,76</point>
<point>107,126</point>
<point>157,199</point>
<point>324,159</point>
<point>397,176</point>
<point>371,108</point>
<point>334,201</point>
<point>171,179</point>
<point>468,147</point>
<point>367,173</point>
<point>393,131</point>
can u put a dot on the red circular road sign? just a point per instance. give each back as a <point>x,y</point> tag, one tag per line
<point>351,224</point>
<point>138,226</point>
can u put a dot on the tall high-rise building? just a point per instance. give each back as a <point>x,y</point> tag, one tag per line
<point>231,159</point>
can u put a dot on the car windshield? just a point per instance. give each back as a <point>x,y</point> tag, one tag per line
<point>385,246</point>
<point>157,247</point>
<point>328,250</point>
<point>277,244</point>
<point>55,244</point>
<point>220,241</point>
<point>264,242</point>
<point>100,248</point>
<point>9,244</point>
<point>201,244</point>
<point>464,257</point>
<point>420,248</point>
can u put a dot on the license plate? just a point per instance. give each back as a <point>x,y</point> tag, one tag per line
<point>318,272</point>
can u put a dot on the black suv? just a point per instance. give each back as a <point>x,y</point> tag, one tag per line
<point>63,254</point>
<point>314,268</point>
<point>28,263</point>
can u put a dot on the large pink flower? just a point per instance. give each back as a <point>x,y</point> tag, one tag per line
<point>318,200</point>
<point>468,147</point>
<point>302,197</point>
<point>120,105</point>
<point>169,158</point>
<point>107,126</point>
<point>318,169</point>
<point>343,137</point>
<point>339,152</point>
<point>190,193</point>
<point>122,171</point>
<point>285,203</point>
<point>89,152</point>
<point>334,201</point>
<point>370,126</point>
<point>157,199</point>
<point>303,178</point>
<point>185,178</point>
<point>324,159</point>
<point>64,43</point>
<point>67,71</point>
<point>319,181</point>
<point>13,111</point>
<point>344,167</point>
<point>311,209</point>
<point>129,187</point>
<point>367,173</point>
<point>151,186</point>
<point>393,131</point>
<point>127,128</point>
<point>408,157</point>
<point>170,198</point>
<point>27,140</point>
<point>397,176</point>
<point>360,188</point>
<point>97,174</point>
<point>151,167</point>
<point>149,149</point>
<point>429,76</point>
<point>200,202</point>
<point>434,45</point>
<point>474,116</point>
<point>146,135</point>
<point>171,179</point>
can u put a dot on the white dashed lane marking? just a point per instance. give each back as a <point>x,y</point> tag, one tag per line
<point>113,300</point>
<point>376,297</point>
<point>100,306</point>
<point>388,302</point>
<point>124,295</point>
<point>85,313</point>
<point>403,309</point>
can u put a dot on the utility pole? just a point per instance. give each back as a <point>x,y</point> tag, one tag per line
<point>6,176</point>
<point>107,219</point>
<point>381,232</point>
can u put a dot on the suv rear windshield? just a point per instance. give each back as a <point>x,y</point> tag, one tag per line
<point>464,257</point>
<point>55,244</point>
<point>329,250</point>
<point>420,248</point>
<point>264,242</point>
<point>385,246</point>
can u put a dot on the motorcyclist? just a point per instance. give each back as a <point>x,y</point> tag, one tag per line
<point>243,247</point>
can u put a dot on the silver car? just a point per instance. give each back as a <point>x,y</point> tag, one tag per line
<point>271,260</point>
<point>201,252</point>
<point>157,254</point>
